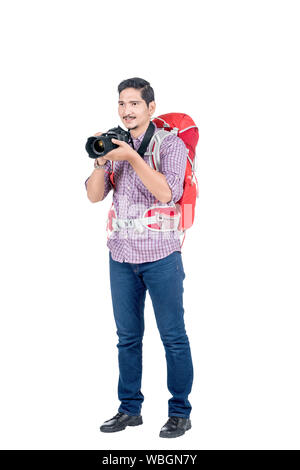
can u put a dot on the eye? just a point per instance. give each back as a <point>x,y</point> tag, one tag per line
<point>134,103</point>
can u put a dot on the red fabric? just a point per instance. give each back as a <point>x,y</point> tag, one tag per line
<point>111,215</point>
<point>111,176</point>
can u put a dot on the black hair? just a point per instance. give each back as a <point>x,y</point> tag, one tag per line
<point>147,92</point>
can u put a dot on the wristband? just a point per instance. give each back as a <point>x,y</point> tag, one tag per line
<point>97,166</point>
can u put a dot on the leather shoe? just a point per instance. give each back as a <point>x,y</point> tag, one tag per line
<point>175,427</point>
<point>120,421</point>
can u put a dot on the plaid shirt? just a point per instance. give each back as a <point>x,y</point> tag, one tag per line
<point>131,198</point>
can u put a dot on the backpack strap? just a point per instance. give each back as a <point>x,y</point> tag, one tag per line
<point>155,144</point>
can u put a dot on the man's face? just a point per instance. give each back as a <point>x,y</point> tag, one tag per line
<point>133,110</point>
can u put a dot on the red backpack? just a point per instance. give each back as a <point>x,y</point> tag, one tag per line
<point>184,127</point>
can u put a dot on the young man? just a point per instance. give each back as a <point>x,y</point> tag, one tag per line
<point>145,261</point>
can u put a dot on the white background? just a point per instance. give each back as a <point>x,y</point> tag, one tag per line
<point>233,66</point>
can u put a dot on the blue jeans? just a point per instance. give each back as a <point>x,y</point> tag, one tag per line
<point>164,280</point>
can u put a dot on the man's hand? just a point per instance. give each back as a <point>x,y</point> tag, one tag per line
<point>123,152</point>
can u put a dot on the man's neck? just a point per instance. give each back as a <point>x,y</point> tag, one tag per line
<point>135,133</point>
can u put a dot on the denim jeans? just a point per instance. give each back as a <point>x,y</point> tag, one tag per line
<point>164,280</point>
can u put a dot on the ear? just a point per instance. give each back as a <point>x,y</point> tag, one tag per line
<point>152,106</point>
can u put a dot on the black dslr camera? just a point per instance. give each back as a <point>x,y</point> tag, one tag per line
<point>102,144</point>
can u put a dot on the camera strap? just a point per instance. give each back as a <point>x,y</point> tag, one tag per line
<point>146,140</point>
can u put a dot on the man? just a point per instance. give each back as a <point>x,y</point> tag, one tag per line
<point>145,261</point>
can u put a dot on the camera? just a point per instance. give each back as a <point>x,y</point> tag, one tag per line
<point>102,144</point>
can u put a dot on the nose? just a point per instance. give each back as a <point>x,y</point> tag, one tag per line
<point>126,110</point>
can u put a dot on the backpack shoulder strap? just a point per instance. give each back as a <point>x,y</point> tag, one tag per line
<point>155,144</point>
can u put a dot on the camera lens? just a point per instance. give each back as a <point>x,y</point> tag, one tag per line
<point>99,146</point>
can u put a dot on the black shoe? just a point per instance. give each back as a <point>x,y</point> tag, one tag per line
<point>120,421</point>
<point>175,427</point>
